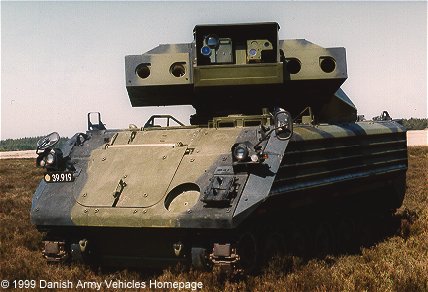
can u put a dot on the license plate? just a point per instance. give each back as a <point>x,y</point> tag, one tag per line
<point>58,177</point>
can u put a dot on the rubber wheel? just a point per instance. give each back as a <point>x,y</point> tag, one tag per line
<point>323,239</point>
<point>247,250</point>
<point>273,246</point>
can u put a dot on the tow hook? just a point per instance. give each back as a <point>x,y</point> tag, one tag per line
<point>177,248</point>
<point>224,257</point>
<point>78,250</point>
<point>54,251</point>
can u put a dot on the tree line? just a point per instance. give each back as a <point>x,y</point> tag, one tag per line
<point>415,124</point>
<point>26,143</point>
<point>29,143</point>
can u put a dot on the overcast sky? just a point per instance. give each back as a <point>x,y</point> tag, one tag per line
<point>60,60</point>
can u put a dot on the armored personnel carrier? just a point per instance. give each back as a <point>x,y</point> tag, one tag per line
<point>274,141</point>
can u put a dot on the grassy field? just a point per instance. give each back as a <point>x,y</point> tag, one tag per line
<point>397,263</point>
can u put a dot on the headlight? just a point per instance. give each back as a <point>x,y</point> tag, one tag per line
<point>254,158</point>
<point>42,163</point>
<point>240,152</point>
<point>50,158</point>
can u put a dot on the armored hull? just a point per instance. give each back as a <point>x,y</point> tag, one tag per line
<point>167,171</point>
<point>229,188</point>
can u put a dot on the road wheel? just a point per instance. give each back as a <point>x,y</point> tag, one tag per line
<point>273,247</point>
<point>248,252</point>
<point>299,242</point>
<point>323,239</point>
<point>345,235</point>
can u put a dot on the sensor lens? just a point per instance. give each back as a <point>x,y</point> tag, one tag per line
<point>206,51</point>
<point>212,42</point>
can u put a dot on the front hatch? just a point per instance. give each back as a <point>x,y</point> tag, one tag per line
<point>130,175</point>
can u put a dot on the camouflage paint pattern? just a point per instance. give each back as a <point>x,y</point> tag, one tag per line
<point>153,182</point>
<point>159,160</point>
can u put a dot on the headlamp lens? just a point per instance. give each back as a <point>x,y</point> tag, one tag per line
<point>240,152</point>
<point>50,158</point>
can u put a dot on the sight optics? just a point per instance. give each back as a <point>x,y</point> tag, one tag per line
<point>212,42</point>
<point>206,51</point>
<point>240,152</point>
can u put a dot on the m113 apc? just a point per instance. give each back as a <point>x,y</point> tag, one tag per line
<point>274,141</point>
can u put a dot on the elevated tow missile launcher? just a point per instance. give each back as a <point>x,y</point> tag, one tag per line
<point>274,140</point>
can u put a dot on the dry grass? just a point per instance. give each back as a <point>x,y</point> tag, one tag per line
<point>395,264</point>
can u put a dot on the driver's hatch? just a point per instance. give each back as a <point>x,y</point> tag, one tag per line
<point>136,170</point>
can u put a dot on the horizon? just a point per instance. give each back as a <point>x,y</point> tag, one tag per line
<point>68,137</point>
